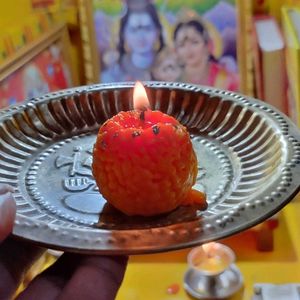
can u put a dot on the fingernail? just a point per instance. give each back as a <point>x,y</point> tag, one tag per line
<point>5,188</point>
<point>7,214</point>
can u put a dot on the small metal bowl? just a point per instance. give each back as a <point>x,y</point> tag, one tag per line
<point>248,153</point>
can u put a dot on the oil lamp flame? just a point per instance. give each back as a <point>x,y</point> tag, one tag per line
<point>211,258</point>
<point>207,248</point>
<point>140,98</point>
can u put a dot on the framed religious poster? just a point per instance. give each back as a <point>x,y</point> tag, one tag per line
<point>37,68</point>
<point>191,41</point>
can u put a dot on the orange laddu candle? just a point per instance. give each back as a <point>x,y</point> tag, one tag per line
<point>144,162</point>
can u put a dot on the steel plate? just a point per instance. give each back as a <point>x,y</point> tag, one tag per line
<point>248,153</point>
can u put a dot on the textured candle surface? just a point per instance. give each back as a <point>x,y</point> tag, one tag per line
<point>144,163</point>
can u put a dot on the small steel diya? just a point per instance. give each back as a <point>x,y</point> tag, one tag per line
<point>212,273</point>
<point>248,153</point>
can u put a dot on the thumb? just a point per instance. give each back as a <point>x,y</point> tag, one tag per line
<point>7,211</point>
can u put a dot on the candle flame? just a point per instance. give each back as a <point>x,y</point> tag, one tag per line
<point>140,98</point>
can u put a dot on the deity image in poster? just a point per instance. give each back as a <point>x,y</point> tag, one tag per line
<point>194,42</point>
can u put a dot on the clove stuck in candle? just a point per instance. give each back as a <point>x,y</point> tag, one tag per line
<point>144,162</point>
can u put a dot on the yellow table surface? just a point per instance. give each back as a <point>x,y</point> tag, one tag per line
<point>149,276</point>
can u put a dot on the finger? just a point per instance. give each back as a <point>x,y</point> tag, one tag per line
<point>78,277</point>
<point>49,284</point>
<point>99,277</point>
<point>16,257</point>
<point>7,213</point>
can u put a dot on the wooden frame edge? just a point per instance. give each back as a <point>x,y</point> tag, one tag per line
<point>91,60</point>
<point>28,52</point>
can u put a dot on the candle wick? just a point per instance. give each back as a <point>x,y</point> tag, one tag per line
<point>142,114</point>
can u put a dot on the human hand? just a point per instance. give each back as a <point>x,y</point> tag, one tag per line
<point>72,276</point>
